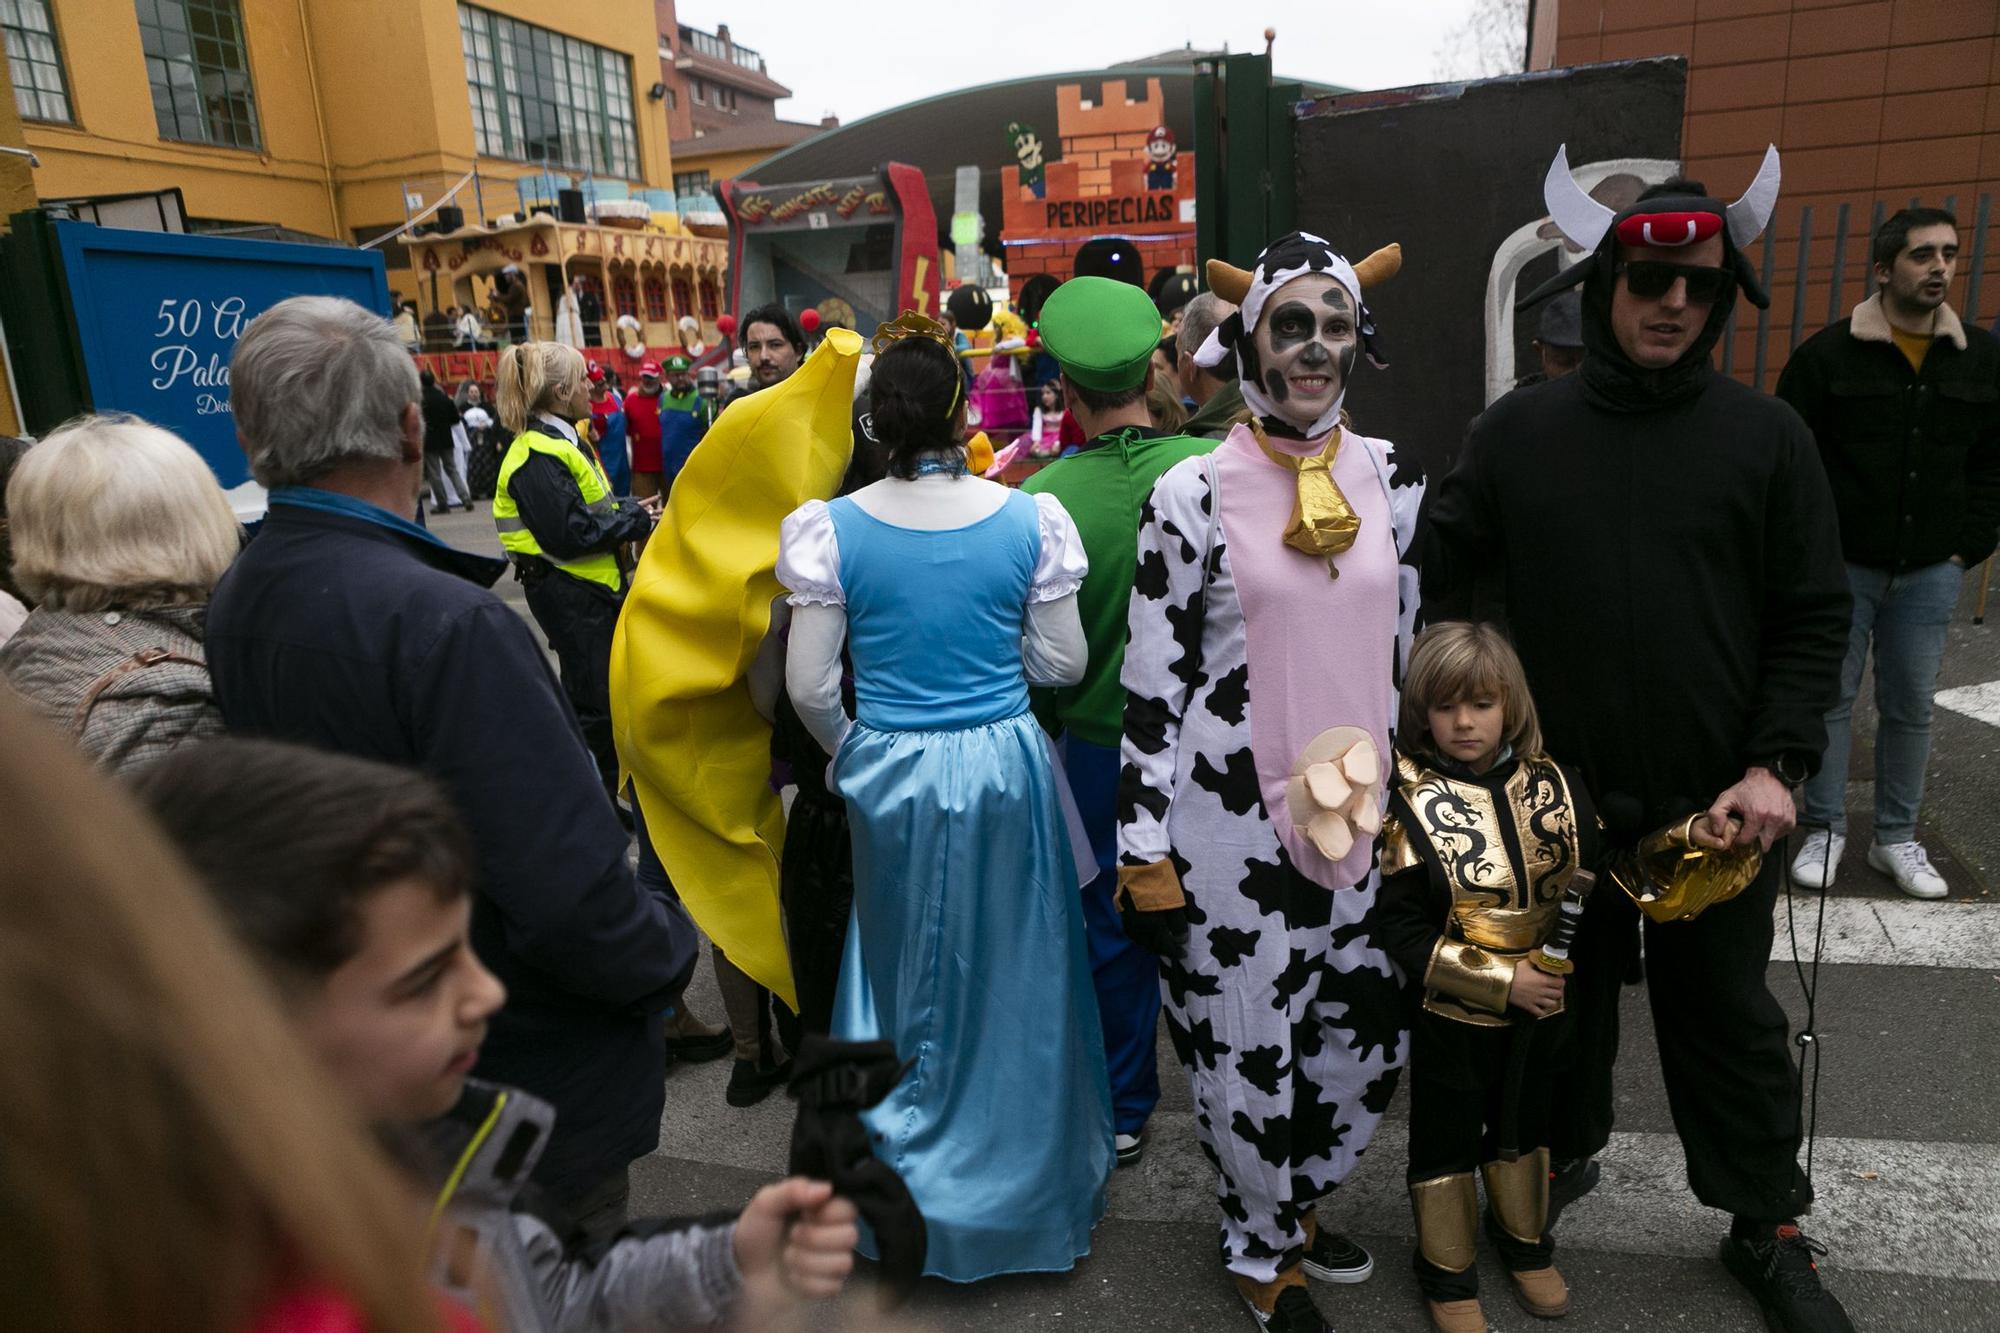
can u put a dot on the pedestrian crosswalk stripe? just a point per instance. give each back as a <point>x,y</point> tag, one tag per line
<point>1979,702</point>
<point>1893,932</point>
<point>1884,1205</point>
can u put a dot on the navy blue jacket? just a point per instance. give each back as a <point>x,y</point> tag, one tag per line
<point>353,635</point>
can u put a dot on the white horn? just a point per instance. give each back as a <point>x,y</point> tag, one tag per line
<point>1749,215</point>
<point>1579,217</point>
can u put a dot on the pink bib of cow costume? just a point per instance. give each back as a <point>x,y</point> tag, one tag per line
<point>1320,648</point>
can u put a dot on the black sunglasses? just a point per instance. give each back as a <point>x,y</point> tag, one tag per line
<point>1650,279</point>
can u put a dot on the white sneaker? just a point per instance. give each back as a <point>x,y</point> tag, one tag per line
<point>1906,863</point>
<point>1130,1147</point>
<point>1818,859</point>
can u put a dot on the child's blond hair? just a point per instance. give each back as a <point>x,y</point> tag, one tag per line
<point>1456,660</point>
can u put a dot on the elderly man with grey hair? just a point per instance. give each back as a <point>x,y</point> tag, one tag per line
<point>347,626</point>
<point>1218,402</point>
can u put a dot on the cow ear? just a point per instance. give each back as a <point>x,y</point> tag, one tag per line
<point>1227,281</point>
<point>1379,267</point>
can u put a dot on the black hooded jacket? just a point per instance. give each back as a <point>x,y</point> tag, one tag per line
<point>1671,568</point>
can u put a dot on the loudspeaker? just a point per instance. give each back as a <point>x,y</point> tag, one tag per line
<point>571,204</point>
<point>449,218</point>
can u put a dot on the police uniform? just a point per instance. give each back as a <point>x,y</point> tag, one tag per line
<point>1474,869</point>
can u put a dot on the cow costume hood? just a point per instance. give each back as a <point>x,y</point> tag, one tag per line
<point>1288,257</point>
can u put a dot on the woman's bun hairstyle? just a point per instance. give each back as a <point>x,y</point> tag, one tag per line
<point>914,394</point>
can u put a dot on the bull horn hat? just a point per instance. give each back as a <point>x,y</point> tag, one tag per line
<point>1662,222</point>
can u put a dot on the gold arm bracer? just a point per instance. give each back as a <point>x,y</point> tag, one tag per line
<point>1470,975</point>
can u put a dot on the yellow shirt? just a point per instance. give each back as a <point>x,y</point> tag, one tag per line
<point>1915,346</point>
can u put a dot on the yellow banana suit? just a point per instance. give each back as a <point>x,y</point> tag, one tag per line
<point>697,751</point>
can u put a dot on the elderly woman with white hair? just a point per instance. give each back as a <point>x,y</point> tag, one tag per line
<point>119,534</point>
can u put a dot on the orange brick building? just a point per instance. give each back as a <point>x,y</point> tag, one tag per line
<point>1099,189</point>
<point>1869,101</point>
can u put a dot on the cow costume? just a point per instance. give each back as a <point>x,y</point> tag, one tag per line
<point>1269,621</point>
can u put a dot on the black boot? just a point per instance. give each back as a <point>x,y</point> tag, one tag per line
<point>1776,1266</point>
<point>1568,1182</point>
<point>751,1081</point>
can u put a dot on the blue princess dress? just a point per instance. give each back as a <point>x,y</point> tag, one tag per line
<point>966,947</point>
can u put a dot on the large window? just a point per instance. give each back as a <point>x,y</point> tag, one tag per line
<point>199,70</point>
<point>691,182</point>
<point>542,97</point>
<point>34,61</point>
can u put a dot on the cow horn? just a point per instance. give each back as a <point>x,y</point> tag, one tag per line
<point>1579,217</point>
<point>1379,267</point>
<point>1227,281</point>
<point>1749,215</point>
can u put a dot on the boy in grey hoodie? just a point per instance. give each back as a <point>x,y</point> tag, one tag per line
<point>348,881</point>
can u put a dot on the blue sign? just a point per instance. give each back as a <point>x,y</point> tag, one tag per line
<point>158,314</point>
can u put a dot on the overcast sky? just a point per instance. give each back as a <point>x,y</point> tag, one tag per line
<point>854,59</point>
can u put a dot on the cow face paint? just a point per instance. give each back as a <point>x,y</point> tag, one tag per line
<point>1305,345</point>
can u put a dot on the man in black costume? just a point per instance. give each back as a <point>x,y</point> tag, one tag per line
<point>1673,583</point>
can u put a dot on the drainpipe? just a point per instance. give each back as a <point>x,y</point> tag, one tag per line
<point>319,123</point>
<point>13,389</point>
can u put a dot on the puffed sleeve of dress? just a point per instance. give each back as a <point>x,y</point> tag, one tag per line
<point>809,568</point>
<point>1054,650</point>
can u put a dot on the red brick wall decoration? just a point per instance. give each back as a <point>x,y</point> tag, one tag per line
<point>1099,188</point>
<point>1870,102</point>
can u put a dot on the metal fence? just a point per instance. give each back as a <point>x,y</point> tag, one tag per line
<point>1843,287</point>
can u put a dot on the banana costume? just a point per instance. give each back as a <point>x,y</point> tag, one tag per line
<point>696,749</point>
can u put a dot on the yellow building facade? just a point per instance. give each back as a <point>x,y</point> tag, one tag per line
<point>328,117</point>
<point>17,192</point>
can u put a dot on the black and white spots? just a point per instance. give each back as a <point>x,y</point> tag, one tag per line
<point>1277,1003</point>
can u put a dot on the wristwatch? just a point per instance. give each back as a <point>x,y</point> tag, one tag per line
<point>1790,768</point>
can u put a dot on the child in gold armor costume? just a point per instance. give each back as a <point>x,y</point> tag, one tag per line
<point>1483,838</point>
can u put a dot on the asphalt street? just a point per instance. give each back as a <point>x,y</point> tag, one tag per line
<point>1906,1157</point>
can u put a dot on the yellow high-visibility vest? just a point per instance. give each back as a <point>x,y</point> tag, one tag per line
<point>591,482</point>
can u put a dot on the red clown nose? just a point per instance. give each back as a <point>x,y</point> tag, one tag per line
<point>725,325</point>
<point>809,320</point>
<point>1669,230</point>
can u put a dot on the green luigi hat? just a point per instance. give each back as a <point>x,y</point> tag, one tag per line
<point>677,365</point>
<point>1101,331</point>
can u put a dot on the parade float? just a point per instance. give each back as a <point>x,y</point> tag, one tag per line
<point>857,251</point>
<point>643,272</point>
<point>1119,202</point>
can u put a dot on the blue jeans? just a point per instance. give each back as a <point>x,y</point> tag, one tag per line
<point>1906,616</point>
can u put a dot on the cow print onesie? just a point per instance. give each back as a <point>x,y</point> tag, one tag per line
<point>1283,1010</point>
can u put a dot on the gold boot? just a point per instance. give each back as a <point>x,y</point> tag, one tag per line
<point>1541,1292</point>
<point>1456,1316</point>
<point>1518,1194</point>
<point>1447,1210</point>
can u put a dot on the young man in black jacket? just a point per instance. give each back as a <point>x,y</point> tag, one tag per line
<point>1674,589</point>
<point>1904,400</point>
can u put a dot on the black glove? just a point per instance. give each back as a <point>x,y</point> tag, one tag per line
<point>833,1082</point>
<point>1153,907</point>
<point>1163,933</point>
